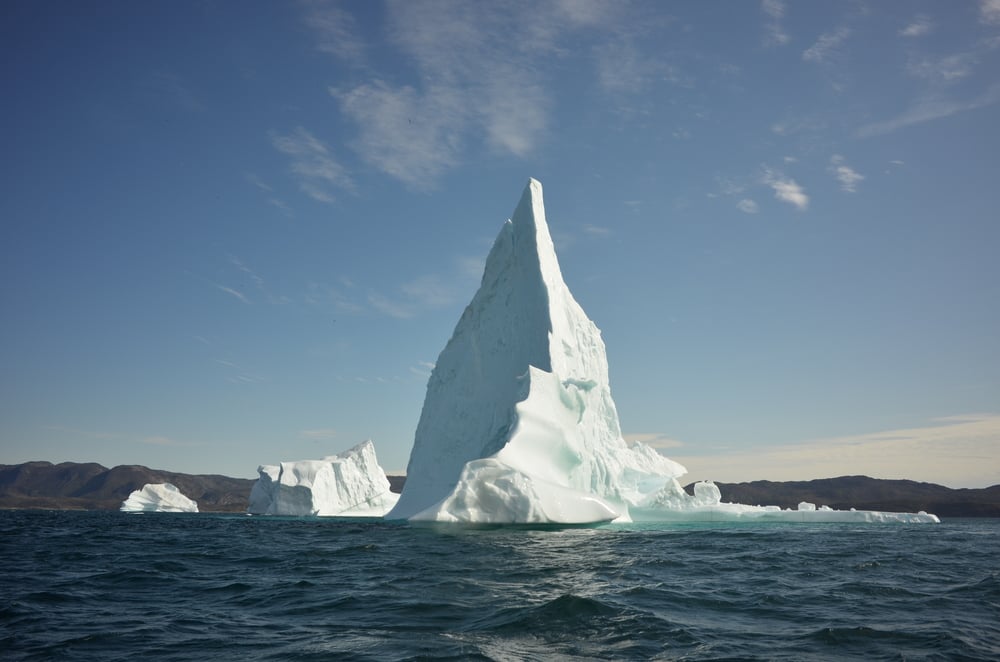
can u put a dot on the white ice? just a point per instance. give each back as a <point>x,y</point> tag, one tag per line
<point>158,498</point>
<point>349,484</point>
<point>518,424</point>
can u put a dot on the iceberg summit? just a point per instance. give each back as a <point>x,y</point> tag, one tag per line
<point>519,427</point>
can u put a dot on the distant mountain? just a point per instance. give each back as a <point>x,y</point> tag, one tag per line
<point>72,486</point>
<point>866,493</point>
<point>90,486</point>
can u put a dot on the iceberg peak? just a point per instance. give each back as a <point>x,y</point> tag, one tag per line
<point>523,381</point>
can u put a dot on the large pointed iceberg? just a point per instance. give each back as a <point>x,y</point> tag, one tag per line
<point>349,484</point>
<point>518,424</point>
<point>158,498</point>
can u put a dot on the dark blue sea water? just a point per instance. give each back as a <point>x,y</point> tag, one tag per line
<point>111,586</point>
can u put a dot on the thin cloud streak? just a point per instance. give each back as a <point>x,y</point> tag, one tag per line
<point>928,110</point>
<point>317,171</point>
<point>775,32</point>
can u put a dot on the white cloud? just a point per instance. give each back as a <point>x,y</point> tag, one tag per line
<point>258,182</point>
<point>317,171</point>
<point>399,310</point>
<point>918,27</point>
<point>747,206</point>
<point>318,434</point>
<point>786,189</point>
<point>474,85</point>
<point>473,77</point>
<point>827,46</point>
<point>596,230</point>
<point>430,291</point>
<point>175,90</point>
<point>847,176</point>
<point>927,110</point>
<point>236,293</point>
<point>422,369</point>
<point>652,439</point>
<point>946,69</point>
<point>989,12</point>
<point>409,135</point>
<point>775,34</point>
<point>958,451</point>
<point>336,30</point>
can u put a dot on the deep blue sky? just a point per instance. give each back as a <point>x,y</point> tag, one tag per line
<point>235,233</point>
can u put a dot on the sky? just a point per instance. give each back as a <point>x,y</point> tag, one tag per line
<point>238,233</point>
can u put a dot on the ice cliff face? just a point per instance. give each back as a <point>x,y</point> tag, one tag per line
<point>518,424</point>
<point>158,498</point>
<point>349,484</point>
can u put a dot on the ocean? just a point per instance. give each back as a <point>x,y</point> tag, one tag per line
<point>111,586</point>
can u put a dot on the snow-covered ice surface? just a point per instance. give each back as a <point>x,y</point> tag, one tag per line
<point>518,424</point>
<point>158,498</point>
<point>349,484</point>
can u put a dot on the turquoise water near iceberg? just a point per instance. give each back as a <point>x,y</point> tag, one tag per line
<point>112,586</point>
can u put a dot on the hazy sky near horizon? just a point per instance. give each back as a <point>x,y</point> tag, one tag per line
<point>236,233</point>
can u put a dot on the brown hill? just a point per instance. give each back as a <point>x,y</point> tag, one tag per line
<point>72,486</point>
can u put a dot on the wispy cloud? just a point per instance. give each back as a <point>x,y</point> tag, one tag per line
<point>429,291</point>
<point>927,110</point>
<point>747,206</point>
<point>775,34</point>
<point>409,135</point>
<point>175,90</point>
<point>827,46</point>
<point>422,293</point>
<point>311,161</point>
<point>958,451</point>
<point>236,374</point>
<point>158,440</point>
<point>785,188</point>
<point>318,434</point>
<point>474,86</point>
<point>989,12</point>
<point>258,182</point>
<point>847,176</point>
<point>918,27</point>
<point>653,439</point>
<point>422,369</point>
<point>943,70</point>
<point>335,30</point>
<point>596,230</point>
<point>233,292</point>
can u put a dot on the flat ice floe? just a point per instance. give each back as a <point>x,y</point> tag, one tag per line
<point>518,425</point>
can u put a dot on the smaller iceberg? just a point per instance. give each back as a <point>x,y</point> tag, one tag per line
<point>349,484</point>
<point>158,498</point>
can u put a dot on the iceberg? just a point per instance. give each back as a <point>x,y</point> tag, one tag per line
<point>518,424</point>
<point>158,498</point>
<point>349,484</point>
